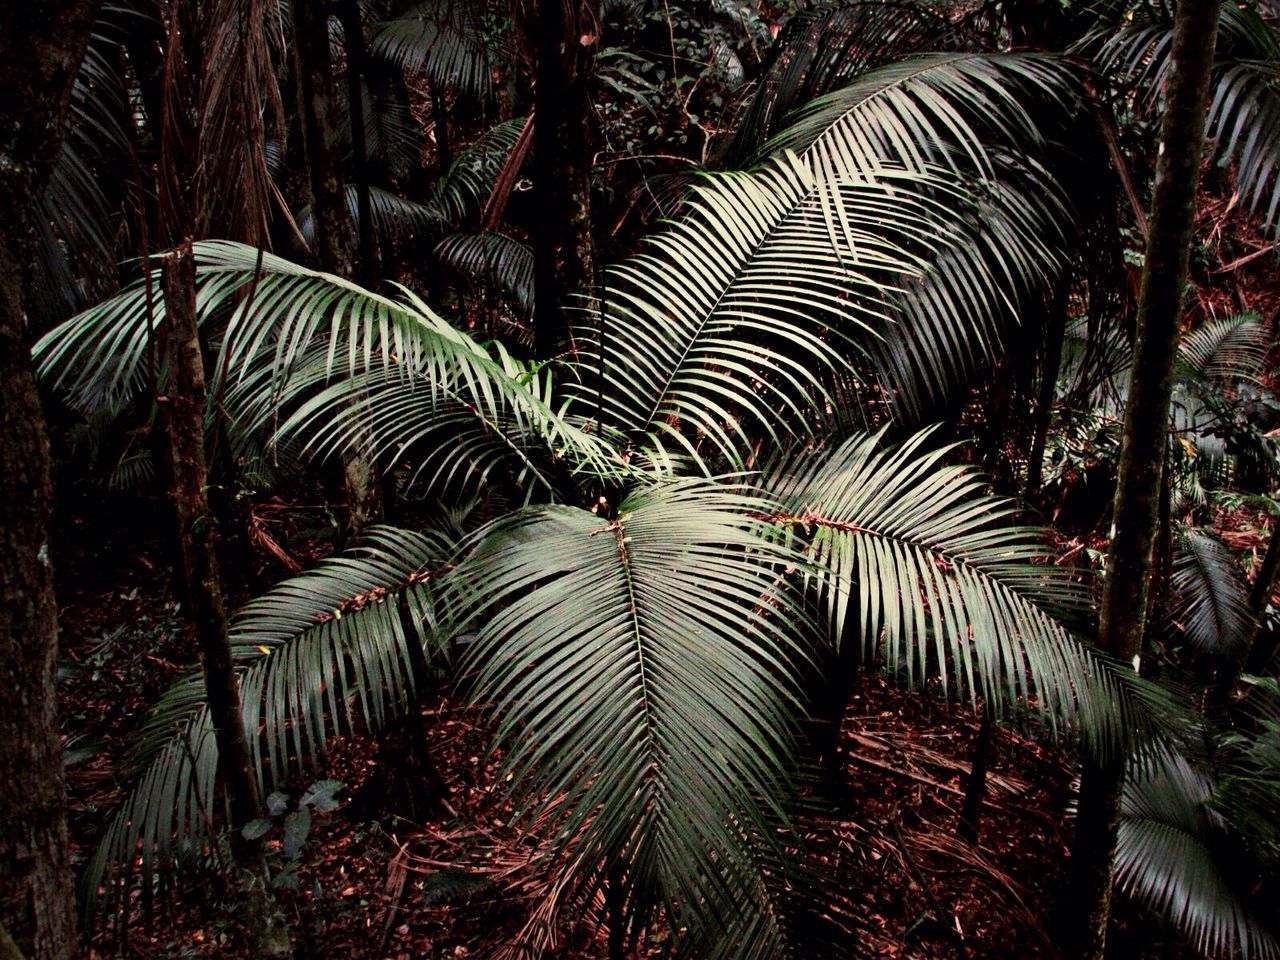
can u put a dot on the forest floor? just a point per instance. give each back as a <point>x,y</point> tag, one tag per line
<point>456,884</point>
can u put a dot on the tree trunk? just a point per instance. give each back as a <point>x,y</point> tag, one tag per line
<point>334,231</point>
<point>41,45</point>
<point>353,35</point>
<point>1046,390</point>
<point>1263,649</point>
<point>1137,500</point>
<point>975,789</point>
<point>566,34</point>
<point>183,413</point>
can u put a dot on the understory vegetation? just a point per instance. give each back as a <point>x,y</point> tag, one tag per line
<point>655,478</point>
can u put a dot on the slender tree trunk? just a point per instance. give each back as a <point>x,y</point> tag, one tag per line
<point>353,34</point>
<point>1263,649</point>
<point>1046,390</point>
<point>184,408</point>
<point>566,34</point>
<point>440,127</point>
<point>334,231</point>
<point>975,790</point>
<point>1134,521</point>
<point>41,45</point>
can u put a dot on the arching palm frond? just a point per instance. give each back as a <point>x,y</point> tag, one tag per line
<point>819,50</point>
<point>644,675</point>
<point>463,190</point>
<point>454,43</point>
<point>921,565</point>
<point>431,427</point>
<point>492,258</point>
<point>317,654</point>
<point>1167,855</point>
<point>289,328</point>
<point>393,217</point>
<point>1244,105</point>
<point>1212,599</point>
<point>973,122</point>
<point>1227,350</point>
<point>729,318</point>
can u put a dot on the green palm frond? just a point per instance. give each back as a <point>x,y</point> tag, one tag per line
<point>923,566</point>
<point>289,330</point>
<point>494,259</point>
<point>1227,350</point>
<point>644,674</point>
<point>821,49</point>
<point>1212,599</point>
<point>1167,856</point>
<point>1244,105</point>
<point>452,42</point>
<point>393,217</point>
<point>462,191</point>
<point>730,317</point>
<point>429,425</point>
<point>316,655</point>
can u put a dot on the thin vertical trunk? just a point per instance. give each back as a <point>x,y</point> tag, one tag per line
<point>183,412</point>
<point>975,790</point>
<point>334,232</point>
<point>353,35</point>
<point>566,33</point>
<point>1263,648</point>
<point>1046,390</point>
<point>1137,501</point>
<point>440,127</point>
<point>41,45</point>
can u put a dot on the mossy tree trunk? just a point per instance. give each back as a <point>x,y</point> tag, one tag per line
<point>183,413</point>
<point>1137,500</point>
<point>41,45</point>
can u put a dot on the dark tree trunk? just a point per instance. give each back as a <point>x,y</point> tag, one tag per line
<point>440,128</point>
<point>1046,390</point>
<point>565,37</point>
<point>1137,501</point>
<point>334,231</point>
<point>1263,649</point>
<point>41,45</point>
<point>183,412</point>
<point>353,35</point>
<point>975,789</point>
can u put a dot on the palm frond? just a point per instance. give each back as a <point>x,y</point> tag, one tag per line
<point>646,690</point>
<point>451,42</point>
<point>494,259</point>
<point>729,318</point>
<point>318,654</point>
<point>1244,105</point>
<point>1227,350</point>
<point>1166,856</point>
<point>922,566</point>
<point>288,329</point>
<point>1212,600</point>
<point>393,217</point>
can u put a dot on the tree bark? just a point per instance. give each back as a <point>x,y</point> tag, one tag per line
<point>969,825</point>
<point>353,36</point>
<point>1263,648</point>
<point>1137,500</point>
<point>566,34</point>
<point>183,412</point>
<point>41,45</point>
<point>334,231</point>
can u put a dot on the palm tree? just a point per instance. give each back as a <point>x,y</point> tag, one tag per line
<point>703,518</point>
